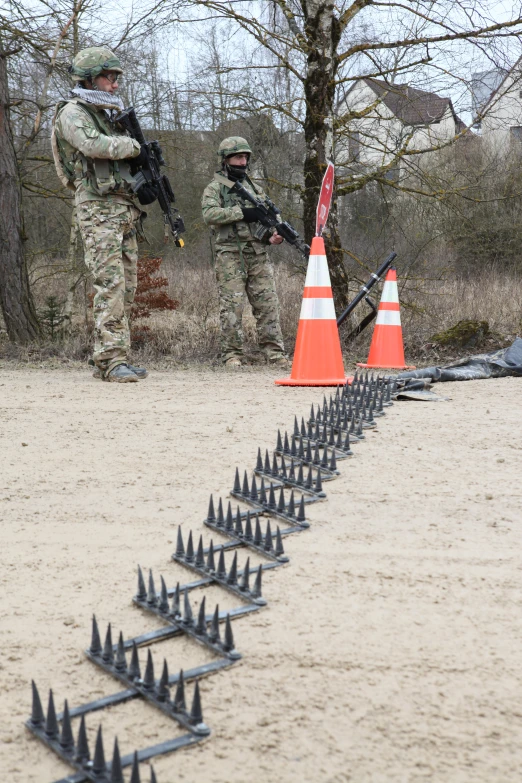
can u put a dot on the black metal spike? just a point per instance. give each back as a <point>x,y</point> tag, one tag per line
<point>237,483</point>
<point>120,664</point>
<point>286,446</point>
<point>253,490</point>
<point>268,545</point>
<point>141,595</point>
<point>301,512</point>
<point>37,713</point>
<point>244,584</point>
<point>258,538</point>
<point>211,565</point>
<point>282,472</point>
<point>163,685</point>
<point>66,737</point>
<point>51,724</point>
<point>238,526</point>
<point>331,435</point>
<point>134,668</point>
<point>290,509</point>
<point>256,590</point>
<point>82,746</point>
<point>232,574</point>
<point>164,597</point>
<point>246,487</point>
<point>279,549</point>
<point>324,460</point>
<point>116,770</point>
<point>300,477</point>
<point>180,549</point>
<point>281,507</point>
<point>201,625</point>
<point>179,705</point>
<point>312,414</point>
<point>211,516</point>
<point>220,516</point>
<point>151,594</point>
<point>214,627</point>
<point>229,520</point>
<point>175,609</point>
<point>188,617</point>
<point>293,448</point>
<point>259,462</point>
<point>309,479</point>
<point>271,498</point>
<point>152,775</point>
<point>95,647</point>
<point>262,493</point>
<point>318,487</point>
<point>339,440</point>
<point>319,416</point>
<point>291,471</point>
<point>189,556</point>
<point>196,713</point>
<point>228,638</point>
<point>248,528</point>
<point>307,455</point>
<point>266,467</point>
<point>148,677</point>
<point>304,429</point>
<point>275,466</point>
<point>316,434</point>
<point>135,774</point>
<point>221,570</point>
<point>359,431</point>
<point>333,461</point>
<point>296,426</point>
<point>200,558</point>
<point>98,762</point>
<point>317,455</point>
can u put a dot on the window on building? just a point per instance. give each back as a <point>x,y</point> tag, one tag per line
<point>354,145</point>
<point>516,133</point>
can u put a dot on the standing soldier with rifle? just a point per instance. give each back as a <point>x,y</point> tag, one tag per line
<point>93,156</point>
<point>241,258</point>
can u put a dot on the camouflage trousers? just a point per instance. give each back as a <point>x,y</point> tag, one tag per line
<point>251,274</point>
<point>111,254</point>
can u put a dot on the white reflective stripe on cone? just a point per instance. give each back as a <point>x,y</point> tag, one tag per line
<point>388,318</point>
<point>317,273</point>
<point>390,292</point>
<point>317,309</point>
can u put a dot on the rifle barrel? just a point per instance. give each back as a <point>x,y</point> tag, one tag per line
<point>365,289</point>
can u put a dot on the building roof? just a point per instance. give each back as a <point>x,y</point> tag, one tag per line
<point>411,105</point>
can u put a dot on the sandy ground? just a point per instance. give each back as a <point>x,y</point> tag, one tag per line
<point>390,646</point>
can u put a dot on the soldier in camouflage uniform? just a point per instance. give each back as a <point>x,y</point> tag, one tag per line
<point>92,155</point>
<point>241,260</point>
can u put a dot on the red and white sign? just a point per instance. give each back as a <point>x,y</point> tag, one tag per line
<point>325,199</point>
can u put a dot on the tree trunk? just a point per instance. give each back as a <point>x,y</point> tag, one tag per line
<point>322,32</point>
<point>15,295</point>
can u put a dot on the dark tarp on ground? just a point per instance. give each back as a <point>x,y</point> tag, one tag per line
<point>498,364</point>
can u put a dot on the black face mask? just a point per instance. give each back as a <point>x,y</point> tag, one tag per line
<point>236,173</point>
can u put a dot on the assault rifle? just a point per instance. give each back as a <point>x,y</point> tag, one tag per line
<point>364,294</point>
<point>271,216</point>
<point>149,173</point>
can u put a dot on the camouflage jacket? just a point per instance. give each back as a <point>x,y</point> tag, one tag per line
<point>94,150</point>
<point>222,212</point>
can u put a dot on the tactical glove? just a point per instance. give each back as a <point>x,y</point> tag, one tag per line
<point>141,159</point>
<point>148,193</point>
<point>252,214</point>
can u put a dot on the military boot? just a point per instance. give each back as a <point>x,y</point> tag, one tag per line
<point>141,372</point>
<point>122,374</point>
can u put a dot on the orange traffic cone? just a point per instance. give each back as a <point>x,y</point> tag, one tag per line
<point>387,349</point>
<point>318,360</point>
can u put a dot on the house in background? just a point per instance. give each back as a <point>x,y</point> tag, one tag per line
<point>395,115</point>
<point>499,117</point>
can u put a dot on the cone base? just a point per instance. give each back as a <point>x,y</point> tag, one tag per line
<point>387,366</point>
<point>315,382</point>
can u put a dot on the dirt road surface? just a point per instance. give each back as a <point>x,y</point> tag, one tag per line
<point>390,649</point>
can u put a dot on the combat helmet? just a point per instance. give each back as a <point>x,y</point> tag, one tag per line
<point>232,145</point>
<point>90,62</point>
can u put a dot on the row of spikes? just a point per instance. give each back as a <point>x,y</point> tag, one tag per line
<point>79,751</point>
<point>363,390</point>
<point>281,472</point>
<point>303,451</point>
<point>252,493</point>
<point>133,672</point>
<point>198,560</point>
<point>329,433</point>
<point>235,525</point>
<point>187,618</point>
<point>359,413</point>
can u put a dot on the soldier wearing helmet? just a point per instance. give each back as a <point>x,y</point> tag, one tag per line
<point>241,259</point>
<point>92,154</point>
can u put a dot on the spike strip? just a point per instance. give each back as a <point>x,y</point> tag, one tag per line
<point>286,481</point>
<point>270,510</point>
<point>326,475</point>
<point>240,541</point>
<point>223,581</point>
<point>149,689</point>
